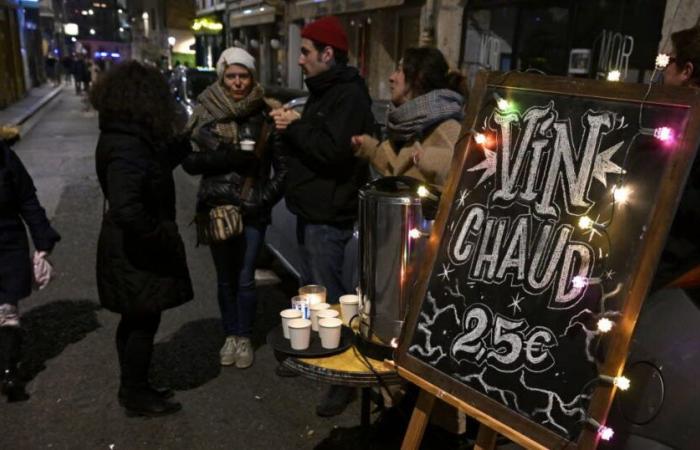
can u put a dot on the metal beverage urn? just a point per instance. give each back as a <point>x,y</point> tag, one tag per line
<point>391,244</point>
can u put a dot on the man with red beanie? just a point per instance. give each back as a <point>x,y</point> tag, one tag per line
<point>324,176</point>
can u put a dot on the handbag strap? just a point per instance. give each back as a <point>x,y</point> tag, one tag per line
<point>258,151</point>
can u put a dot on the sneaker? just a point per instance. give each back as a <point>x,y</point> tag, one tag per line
<point>335,401</point>
<point>228,352</point>
<point>244,353</point>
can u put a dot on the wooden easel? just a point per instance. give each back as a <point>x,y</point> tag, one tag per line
<point>486,437</point>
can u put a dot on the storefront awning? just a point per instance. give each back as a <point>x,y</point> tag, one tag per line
<point>250,12</point>
<point>302,9</point>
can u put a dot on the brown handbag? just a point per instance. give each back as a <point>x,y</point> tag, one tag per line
<point>223,222</point>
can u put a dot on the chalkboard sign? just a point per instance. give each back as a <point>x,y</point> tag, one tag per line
<point>554,217</point>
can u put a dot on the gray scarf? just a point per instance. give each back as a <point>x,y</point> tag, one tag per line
<point>410,120</point>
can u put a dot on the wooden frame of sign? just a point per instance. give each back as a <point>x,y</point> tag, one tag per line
<point>502,322</point>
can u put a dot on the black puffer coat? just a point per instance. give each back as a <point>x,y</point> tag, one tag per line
<point>224,170</point>
<point>141,264</point>
<point>18,203</point>
<point>324,174</point>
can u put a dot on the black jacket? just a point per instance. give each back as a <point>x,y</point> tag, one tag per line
<point>225,168</point>
<point>141,264</point>
<point>18,204</point>
<point>324,175</point>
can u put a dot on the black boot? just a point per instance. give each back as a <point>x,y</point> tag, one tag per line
<point>146,402</point>
<point>10,356</point>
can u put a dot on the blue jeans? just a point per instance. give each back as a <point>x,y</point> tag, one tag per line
<point>322,249</point>
<point>234,260</point>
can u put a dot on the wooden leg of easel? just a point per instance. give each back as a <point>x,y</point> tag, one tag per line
<point>419,420</point>
<point>486,439</point>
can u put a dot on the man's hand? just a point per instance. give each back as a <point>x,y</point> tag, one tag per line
<point>283,117</point>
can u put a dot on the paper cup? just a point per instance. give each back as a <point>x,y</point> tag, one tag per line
<point>287,315</point>
<point>349,307</point>
<point>329,331</point>
<point>247,145</point>
<point>327,314</point>
<point>315,293</point>
<point>300,333</point>
<point>315,309</point>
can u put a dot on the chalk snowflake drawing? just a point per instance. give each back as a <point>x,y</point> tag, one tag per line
<point>555,404</point>
<point>446,271</point>
<point>463,194</point>
<point>508,398</point>
<point>429,350</point>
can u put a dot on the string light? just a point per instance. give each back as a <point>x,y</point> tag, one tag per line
<point>585,223</point>
<point>415,233</point>
<point>662,61</point>
<point>621,194</point>
<point>604,325</point>
<point>622,382</point>
<point>579,282</point>
<point>614,75</point>
<point>503,104</point>
<point>394,343</point>
<point>605,433</point>
<point>424,192</point>
<point>480,138</point>
<point>664,134</point>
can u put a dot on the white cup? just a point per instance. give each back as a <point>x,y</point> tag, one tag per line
<point>327,314</point>
<point>349,307</point>
<point>315,309</point>
<point>329,331</point>
<point>287,315</point>
<point>300,333</point>
<point>247,145</point>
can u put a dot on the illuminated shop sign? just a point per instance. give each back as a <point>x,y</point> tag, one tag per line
<point>206,24</point>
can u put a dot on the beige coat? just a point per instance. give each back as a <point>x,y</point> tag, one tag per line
<point>428,160</point>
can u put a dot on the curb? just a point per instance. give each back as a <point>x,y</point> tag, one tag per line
<point>38,105</point>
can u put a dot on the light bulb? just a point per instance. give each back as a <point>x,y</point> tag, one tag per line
<point>614,75</point>
<point>605,433</point>
<point>664,134</point>
<point>621,194</point>
<point>414,233</point>
<point>423,191</point>
<point>480,138</point>
<point>394,342</point>
<point>622,382</point>
<point>662,60</point>
<point>604,325</point>
<point>585,223</point>
<point>579,282</point>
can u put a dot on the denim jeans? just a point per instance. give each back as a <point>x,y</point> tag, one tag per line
<point>234,260</point>
<point>322,249</point>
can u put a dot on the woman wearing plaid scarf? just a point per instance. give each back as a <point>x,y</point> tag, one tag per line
<point>424,121</point>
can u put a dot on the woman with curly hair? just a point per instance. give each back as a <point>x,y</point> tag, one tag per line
<point>141,264</point>
<point>233,109</point>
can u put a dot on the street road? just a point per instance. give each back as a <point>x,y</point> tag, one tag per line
<point>71,361</point>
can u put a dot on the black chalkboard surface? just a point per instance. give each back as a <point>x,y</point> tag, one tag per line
<point>553,219</point>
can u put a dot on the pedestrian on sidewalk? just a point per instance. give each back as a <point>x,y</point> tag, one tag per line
<point>81,74</point>
<point>19,206</point>
<point>324,175</point>
<point>424,121</point>
<point>230,112</point>
<point>141,264</point>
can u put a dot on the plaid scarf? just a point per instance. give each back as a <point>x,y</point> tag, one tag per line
<point>214,105</point>
<point>410,120</point>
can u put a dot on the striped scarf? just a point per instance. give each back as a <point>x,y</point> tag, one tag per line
<point>410,120</point>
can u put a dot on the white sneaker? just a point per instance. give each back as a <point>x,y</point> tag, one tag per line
<point>245,354</point>
<point>228,352</point>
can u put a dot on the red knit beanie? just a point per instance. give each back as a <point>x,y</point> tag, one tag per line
<point>327,30</point>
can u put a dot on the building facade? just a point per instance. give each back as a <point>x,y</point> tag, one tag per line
<point>210,36</point>
<point>11,67</point>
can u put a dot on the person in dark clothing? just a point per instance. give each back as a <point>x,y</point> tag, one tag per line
<point>680,260</point>
<point>324,175</point>
<point>141,264</point>
<point>19,206</point>
<point>230,111</point>
<point>81,75</point>
<point>67,64</point>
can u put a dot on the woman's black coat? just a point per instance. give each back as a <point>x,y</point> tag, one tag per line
<point>224,170</point>
<point>18,203</point>
<point>141,264</point>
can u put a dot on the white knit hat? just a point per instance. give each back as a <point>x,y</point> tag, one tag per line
<point>235,55</point>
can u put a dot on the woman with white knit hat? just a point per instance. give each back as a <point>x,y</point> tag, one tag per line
<point>231,111</point>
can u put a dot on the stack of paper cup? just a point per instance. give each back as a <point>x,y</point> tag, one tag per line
<point>315,309</point>
<point>349,307</point>
<point>327,314</point>
<point>287,315</point>
<point>300,333</point>
<point>329,331</point>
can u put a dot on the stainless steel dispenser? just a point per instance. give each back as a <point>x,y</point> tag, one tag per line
<point>391,243</point>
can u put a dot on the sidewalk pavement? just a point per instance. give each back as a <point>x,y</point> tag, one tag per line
<point>18,113</point>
